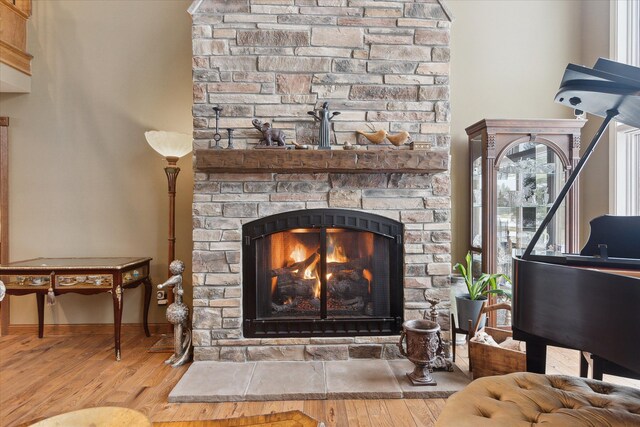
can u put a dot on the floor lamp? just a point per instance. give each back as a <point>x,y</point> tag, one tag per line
<point>171,146</point>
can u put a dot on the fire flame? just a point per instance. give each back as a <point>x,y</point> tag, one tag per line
<point>367,275</point>
<point>335,252</point>
<point>299,253</point>
<point>274,285</point>
<point>316,289</point>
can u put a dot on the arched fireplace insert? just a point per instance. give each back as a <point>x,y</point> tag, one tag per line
<point>322,272</point>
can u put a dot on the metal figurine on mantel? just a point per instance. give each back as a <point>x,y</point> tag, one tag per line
<point>271,137</point>
<point>216,136</point>
<point>178,316</point>
<point>230,134</point>
<point>324,116</point>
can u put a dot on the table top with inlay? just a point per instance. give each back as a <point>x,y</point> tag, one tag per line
<point>113,263</point>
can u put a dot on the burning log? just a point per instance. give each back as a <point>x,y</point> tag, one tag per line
<point>341,288</point>
<point>296,288</point>
<point>297,268</point>
<point>282,308</point>
<point>356,303</point>
<point>357,264</point>
<point>352,275</point>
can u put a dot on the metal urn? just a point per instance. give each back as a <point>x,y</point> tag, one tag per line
<point>423,341</point>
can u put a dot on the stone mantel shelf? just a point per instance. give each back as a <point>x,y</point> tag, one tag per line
<point>314,161</point>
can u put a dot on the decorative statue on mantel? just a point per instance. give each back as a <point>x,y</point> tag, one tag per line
<point>269,135</point>
<point>3,290</point>
<point>178,316</point>
<point>324,116</point>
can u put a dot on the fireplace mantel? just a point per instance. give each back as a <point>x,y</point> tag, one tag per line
<point>313,161</point>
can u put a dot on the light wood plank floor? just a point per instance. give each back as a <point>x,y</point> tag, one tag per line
<point>44,377</point>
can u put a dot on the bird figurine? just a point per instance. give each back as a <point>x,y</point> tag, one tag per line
<point>399,138</point>
<point>377,137</point>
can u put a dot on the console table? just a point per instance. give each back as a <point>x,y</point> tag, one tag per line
<point>80,275</point>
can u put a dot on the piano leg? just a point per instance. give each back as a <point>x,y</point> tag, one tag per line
<point>536,356</point>
<point>584,364</point>
<point>598,368</point>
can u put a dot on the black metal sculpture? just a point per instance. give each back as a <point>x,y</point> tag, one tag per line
<point>324,116</point>
<point>216,136</point>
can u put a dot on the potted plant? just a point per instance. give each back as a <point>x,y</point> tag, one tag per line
<point>470,304</point>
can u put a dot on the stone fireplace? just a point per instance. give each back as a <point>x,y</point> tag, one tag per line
<point>318,255</point>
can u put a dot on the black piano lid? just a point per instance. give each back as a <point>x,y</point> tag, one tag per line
<point>609,85</point>
<point>614,242</point>
<point>559,258</point>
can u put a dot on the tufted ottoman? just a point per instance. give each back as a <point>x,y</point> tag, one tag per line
<point>524,399</point>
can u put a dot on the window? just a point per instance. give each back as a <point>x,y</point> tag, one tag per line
<point>625,140</point>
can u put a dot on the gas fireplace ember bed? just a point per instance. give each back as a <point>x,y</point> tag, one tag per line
<point>322,272</point>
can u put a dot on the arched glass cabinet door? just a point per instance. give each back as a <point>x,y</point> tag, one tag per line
<point>476,203</point>
<point>529,177</point>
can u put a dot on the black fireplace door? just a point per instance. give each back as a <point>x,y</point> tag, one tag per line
<point>322,272</point>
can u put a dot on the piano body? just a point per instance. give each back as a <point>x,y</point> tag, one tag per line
<point>591,301</point>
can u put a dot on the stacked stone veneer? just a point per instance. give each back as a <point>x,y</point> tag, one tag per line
<point>381,63</point>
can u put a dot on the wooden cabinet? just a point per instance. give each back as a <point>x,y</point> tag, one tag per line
<point>517,169</point>
<point>15,61</point>
<point>4,210</point>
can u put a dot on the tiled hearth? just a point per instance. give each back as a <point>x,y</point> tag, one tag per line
<point>382,64</point>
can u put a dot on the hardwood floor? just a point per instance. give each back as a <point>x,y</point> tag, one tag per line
<point>40,378</point>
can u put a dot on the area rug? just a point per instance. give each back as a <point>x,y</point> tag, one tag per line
<point>309,380</point>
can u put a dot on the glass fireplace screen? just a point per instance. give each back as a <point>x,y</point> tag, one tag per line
<point>322,273</point>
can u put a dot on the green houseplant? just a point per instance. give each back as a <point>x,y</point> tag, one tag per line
<point>470,304</point>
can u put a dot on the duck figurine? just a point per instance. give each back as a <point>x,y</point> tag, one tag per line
<point>399,138</point>
<point>376,137</point>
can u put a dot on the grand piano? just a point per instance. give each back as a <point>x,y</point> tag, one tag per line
<point>588,301</point>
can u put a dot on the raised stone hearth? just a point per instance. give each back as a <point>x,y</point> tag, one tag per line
<point>382,64</point>
<point>260,381</point>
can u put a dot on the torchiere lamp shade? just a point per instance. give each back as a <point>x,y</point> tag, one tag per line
<point>169,144</point>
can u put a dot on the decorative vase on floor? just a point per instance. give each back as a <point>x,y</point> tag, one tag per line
<point>469,309</point>
<point>423,341</point>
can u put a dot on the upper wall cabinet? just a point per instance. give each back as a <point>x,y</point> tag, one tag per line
<point>517,170</point>
<point>15,62</point>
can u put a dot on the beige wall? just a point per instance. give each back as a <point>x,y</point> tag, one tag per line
<point>84,182</point>
<point>507,61</point>
<point>594,180</point>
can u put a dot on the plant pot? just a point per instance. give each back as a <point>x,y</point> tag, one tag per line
<point>469,309</point>
<point>458,287</point>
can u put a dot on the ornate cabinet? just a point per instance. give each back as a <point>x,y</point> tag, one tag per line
<point>517,169</point>
<point>4,212</point>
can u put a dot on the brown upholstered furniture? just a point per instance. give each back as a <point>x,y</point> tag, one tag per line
<point>523,399</point>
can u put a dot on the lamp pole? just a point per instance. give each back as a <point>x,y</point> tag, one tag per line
<point>171,170</point>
